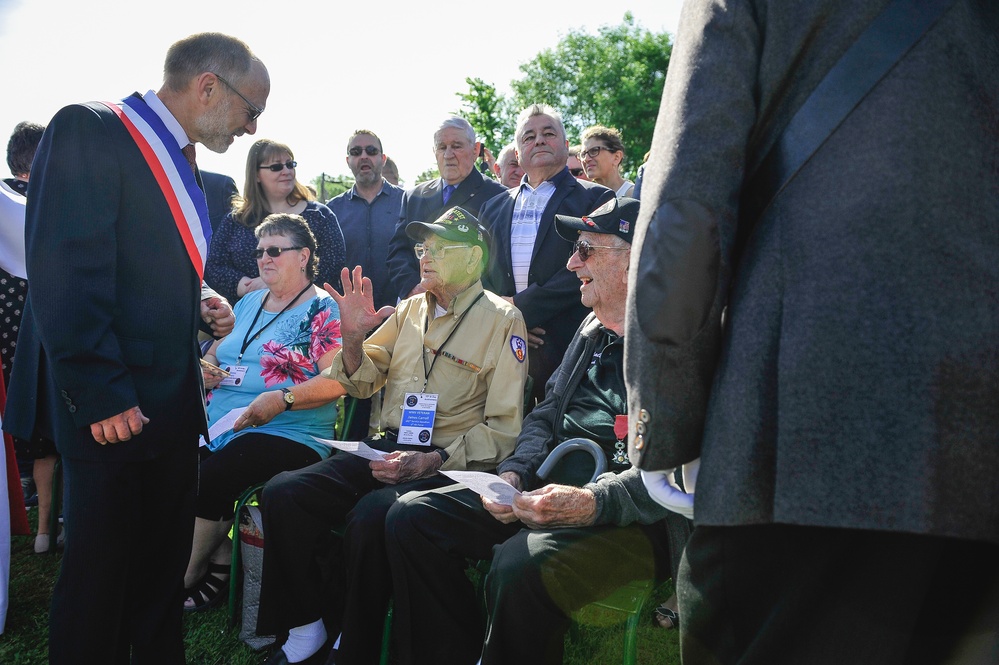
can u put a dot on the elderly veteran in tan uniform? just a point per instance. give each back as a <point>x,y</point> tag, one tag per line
<point>453,365</point>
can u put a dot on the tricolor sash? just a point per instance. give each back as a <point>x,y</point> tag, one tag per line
<point>173,174</point>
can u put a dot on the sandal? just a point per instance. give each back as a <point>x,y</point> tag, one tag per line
<point>210,590</point>
<point>664,614</point>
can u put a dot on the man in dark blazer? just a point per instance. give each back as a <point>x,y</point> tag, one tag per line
<point>846,413</point>
<point>219,190</point>
<point>459,185</point>
<point>107,359</point>
<point>536,280</point>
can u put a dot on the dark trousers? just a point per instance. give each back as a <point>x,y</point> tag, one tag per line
<point>246,460</point>
<point>120,592</point>
<point>792,594</point>
<point>537,579</point>
<point>308,574</point>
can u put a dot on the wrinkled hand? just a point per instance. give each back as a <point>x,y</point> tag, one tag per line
<point>261,410</point>
<point>498,510</point>
<point>211,380</point>
<point>357,305</point>
<point>403,466</point>
<point>217,312</point>
<point>247,284</point>
<point>556,505</point>
<point>121,427</point>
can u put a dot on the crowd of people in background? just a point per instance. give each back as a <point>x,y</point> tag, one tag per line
<point>531,326</point>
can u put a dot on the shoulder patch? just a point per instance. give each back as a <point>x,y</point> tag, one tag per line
<point>519,348</point>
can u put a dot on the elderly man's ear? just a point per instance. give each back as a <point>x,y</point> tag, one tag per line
<point>474,259</point>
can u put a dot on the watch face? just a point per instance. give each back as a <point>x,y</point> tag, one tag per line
<point>289,397</point>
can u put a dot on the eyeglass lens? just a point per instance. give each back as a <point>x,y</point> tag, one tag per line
<point>290,165</point>
<point>369,149</point>
<point>272,252</point>
<point>583,248</point>
<point>595,151</point>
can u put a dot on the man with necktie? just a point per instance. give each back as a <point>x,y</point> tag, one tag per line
<point>107,359</point>
<point>459,185</point>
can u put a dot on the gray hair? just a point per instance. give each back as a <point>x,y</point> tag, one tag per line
<point>456,122</point>
<point>295,228</point>
<point>539,109</point>
<point>508,149</point>
<point>207,52</point>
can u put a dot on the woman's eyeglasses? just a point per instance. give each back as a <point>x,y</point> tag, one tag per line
<point>272,252</point>
<point>370,150</point>
<point>585,249</point>
<point>290,165</point>
<point>595,151</point>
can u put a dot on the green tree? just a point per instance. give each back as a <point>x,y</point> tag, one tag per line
<point>490,113</point>
<point>328,186</point>
<point>429,174</point>
<point>614,78</point>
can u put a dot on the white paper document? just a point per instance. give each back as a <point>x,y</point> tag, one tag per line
<point>358,448</point>
<point>488,485</point>
<point>223,424</point>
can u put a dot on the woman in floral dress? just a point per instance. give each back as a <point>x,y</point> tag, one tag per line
<point>285,335</point>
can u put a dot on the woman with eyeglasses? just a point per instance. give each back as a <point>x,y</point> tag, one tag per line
<point>270,187</point>
<point>602,154</point>
<point>286,333</point>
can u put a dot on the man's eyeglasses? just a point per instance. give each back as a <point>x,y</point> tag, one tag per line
<point>595,151</point>
<point>272,252</point>
<point>254,111</point>
<point>370,150</point>
<point>576,172</point>
<point>290,165</point>
<point>585,249</point>
<point>436,253</point>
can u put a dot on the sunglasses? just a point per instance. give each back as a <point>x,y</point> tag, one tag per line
<point>273,252</point>
<point>254,111</point>
<point>370,150</point>
<point>585,249</point>
<point>290,165</point>
<point>595,151</point>
<point>576,172</point>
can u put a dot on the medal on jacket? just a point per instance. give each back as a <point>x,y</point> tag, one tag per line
<point>620,455</point>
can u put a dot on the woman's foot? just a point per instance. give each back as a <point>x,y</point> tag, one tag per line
<point>210,590</point>
<point>666,614</point>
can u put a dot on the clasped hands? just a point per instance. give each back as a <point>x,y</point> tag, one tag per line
<point>405,465</point>
<point>548,507</point>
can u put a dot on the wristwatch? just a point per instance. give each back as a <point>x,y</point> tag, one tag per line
<point>289,399</point>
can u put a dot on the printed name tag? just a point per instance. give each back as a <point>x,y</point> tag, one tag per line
<point>418,413</point>
<point>236,374</point>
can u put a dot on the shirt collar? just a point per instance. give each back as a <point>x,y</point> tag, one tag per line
<point>461,302</point>
<point>157,107</point>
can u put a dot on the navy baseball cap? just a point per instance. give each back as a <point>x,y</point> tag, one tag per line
<point>616,217</point>
<point>455,224</point>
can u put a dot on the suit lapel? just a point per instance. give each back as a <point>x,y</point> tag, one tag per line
<point>547,224</point>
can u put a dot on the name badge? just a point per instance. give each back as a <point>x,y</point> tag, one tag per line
<point>418,413</point>
<point>236,375</point>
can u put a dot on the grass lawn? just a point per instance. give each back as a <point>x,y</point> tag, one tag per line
<point>209,642</point>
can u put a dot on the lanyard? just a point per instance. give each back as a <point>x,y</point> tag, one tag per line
<point>250,335</point>
<point>426,325</point>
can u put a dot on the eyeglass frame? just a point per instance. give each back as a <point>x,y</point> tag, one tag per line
<point>254,111</point>
<point>594,152</point>
<point>437,253</point>
<point>585,249</point>
<point>259,252</point>
<point>364,150</point>
<point>290,165</point>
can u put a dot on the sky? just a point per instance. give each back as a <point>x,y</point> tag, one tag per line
<point>393,67</point>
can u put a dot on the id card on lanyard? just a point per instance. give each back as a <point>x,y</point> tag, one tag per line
<point>418,414</point>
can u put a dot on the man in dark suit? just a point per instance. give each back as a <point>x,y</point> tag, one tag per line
<point>219,190</point>
<point>846,413</point>
<point>107,359</point>
<point>459,185</point>
<point>527,265</point>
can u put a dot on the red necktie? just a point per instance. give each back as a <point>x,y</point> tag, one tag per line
<point>188,151</point>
